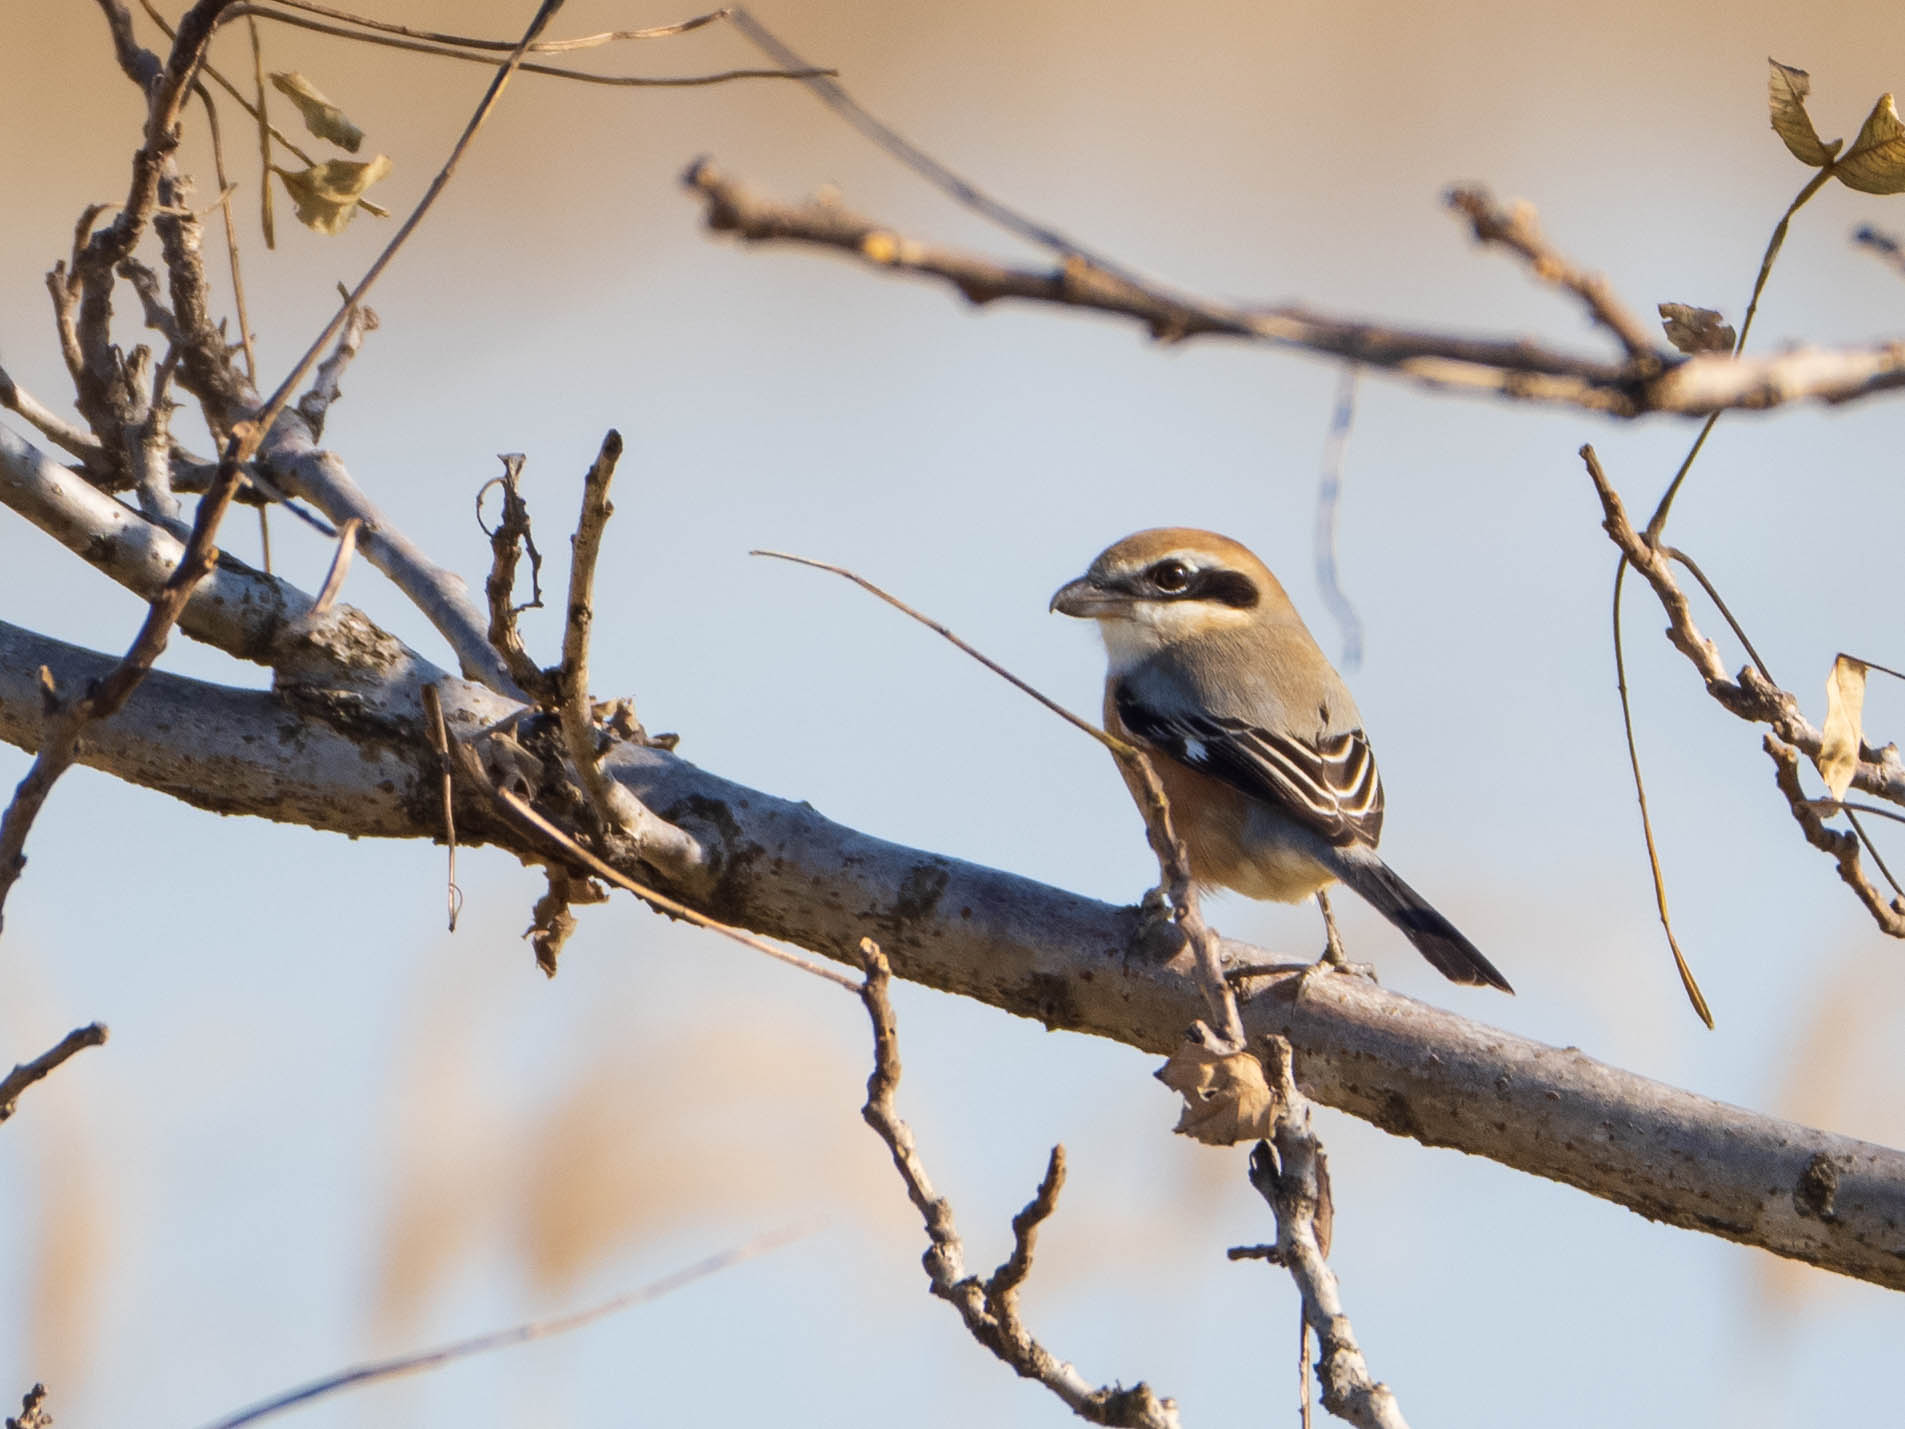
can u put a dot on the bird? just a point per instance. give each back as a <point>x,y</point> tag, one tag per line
<point>1272,786</point>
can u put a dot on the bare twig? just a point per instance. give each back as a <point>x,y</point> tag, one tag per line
<point>439,733</point>
<point>1329,493</point>
<point>149,451</point>
<point>541,47</point>
<point>1291,1173</point>
<point>315,404</point>
<point>1155,808</point>
<point>1657,523</point>
<point>27,1073</point>
<point>291,450</point>
<point>566,846</point>
<point>261,113</point>
<point>545,12</point>
<point>508,540</point>
<point>59,747</point>
<point>50,424</point>
<point>572,679</point>
<point>515,1335</point>
<point>340,567</point>
<point>989,1307</point>
<point>1509,367</point>
<point>257,112</point>
<point>1888,248</point>
<point>582,76</point>
<point>1751,695</point>
<point>1514,227</point>
<point>962,191</point>
<point>1681,965</point>
<point>225,187</point>
<point>1842,847</point>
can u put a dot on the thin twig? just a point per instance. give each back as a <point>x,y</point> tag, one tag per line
<point>1842,847</point>
<point>567,846</point>
<point>225,187</point>
<point>580,76</point>
<point>1658,521</point>
<point>50,424</point>
<point>572,679</point>
<point>262,114</point>
<point>1739,632</point>
<point>545,12</point>
<point>315,405</point>
<point>340,567</point>
<point>1888,249</point>
<point>1515,228</point>
<point>1155,808</point>
<point>257,112</point>
<point>541,47</point>
<point>1687,980</point>
<point>439,733</point>
<point>1329,493</point>
<point>989,1307</point>
<point>515,1335</point>
<point>509,539</point>
<point>27,1073</point>
<point>1291,1173</point>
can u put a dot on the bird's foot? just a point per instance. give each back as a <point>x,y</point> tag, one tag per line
<point>1334,959</point>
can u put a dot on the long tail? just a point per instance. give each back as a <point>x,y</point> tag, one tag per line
<point>1435,937</point>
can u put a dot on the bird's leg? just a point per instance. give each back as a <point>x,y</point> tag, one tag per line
<point>1332,940</point>
<point>1334,959</point>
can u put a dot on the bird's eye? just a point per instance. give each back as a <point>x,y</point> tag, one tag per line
<point>1169,576</point>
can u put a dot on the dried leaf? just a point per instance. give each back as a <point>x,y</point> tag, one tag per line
<point>1845,704</point>
<point>326,194</point>
<point>1695,330</point>
<point>1786,90</point>
<point>1226,1098</point>
<point>1875,164</point>
<point>321,117</point>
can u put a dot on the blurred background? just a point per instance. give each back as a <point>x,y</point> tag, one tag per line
<point>325,1129</point>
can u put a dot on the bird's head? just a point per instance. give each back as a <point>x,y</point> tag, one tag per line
<point>1159,587</point>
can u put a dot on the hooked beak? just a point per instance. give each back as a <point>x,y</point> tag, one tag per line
<point>1082,598</point>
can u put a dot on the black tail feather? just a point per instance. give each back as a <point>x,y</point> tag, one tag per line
<point>1435,937</point>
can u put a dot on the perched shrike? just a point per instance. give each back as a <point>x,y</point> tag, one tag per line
<point>1271,782</point>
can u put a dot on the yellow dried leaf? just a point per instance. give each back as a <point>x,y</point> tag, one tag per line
<point>1226,1098</point>
<point>321,117</point>
<point>1875,164</point>
<point>1694,330</point>
<point>326,194</point>
<point>1786,90</point>
<point>1845,706</point>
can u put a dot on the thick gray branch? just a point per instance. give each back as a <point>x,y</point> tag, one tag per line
<point>782,869</point>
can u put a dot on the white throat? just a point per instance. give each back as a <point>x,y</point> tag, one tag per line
<point>1143,629</point>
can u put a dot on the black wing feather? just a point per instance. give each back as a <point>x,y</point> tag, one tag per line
<point>1332,786</point>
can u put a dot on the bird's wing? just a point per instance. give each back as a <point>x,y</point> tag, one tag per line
<point>1330,786</point>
